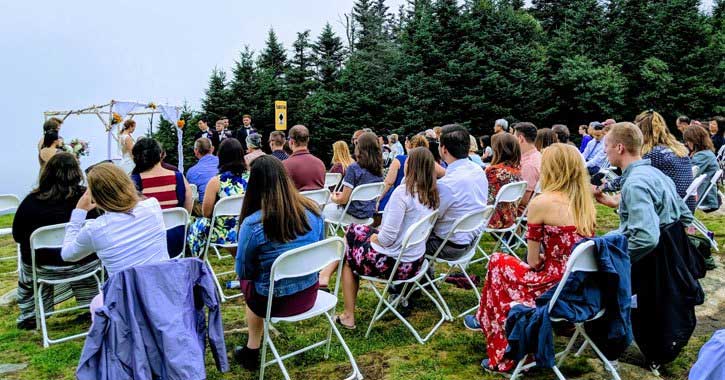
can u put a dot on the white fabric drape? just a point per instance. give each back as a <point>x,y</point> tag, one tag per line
<point>171,114</point>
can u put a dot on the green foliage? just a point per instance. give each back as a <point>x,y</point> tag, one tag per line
<point>441,61</point>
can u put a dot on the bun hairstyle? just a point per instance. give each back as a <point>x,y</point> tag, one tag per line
<point>128,124</point>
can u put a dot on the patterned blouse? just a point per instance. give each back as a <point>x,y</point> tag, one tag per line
<point>498,176</point>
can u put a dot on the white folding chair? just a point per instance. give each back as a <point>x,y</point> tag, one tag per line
<point>511,193</point>
<point>692,189</point>
<point>521,222</point>
<point>362,193</point>
<point>471,222</point>
<point>226,207</point>
<point>417,234</point>
<point>9,203</point>
<point>194,192</point>
<point>695,170</point>
<point>333,180</point>
<point>176,217</point>
<point>51,237</point>
<point>296,263</point>
<point>321,196</point>
<point>581,260</point>
<point>697,223</point>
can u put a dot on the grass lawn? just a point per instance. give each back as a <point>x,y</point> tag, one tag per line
<point>389,353</point>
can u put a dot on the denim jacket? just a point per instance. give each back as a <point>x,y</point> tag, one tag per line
<point>256,254</point>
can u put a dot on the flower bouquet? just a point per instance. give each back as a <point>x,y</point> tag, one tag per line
<point>78,147</point>
<point>181,123</point>
<point>116,118</point>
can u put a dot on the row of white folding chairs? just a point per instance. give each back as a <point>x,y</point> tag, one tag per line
<point>692,191</point>
<point>51,237</point>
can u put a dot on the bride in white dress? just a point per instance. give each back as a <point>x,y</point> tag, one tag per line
<point>125,145</point>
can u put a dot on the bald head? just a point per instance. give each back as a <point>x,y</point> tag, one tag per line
<point>300,134</point>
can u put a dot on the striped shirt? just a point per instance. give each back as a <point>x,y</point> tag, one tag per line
<point>163,188</point>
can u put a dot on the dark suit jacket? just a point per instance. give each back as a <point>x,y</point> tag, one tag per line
<point>212,135</point>
<point>241,134</point>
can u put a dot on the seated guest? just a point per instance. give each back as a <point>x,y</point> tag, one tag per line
<point>153,181</point>
<point>486,150</point>
<point>682,123</point>
<point>373,252</point>
<point>254,148</point>
<point>204,170</point>
<point>473,152</point>
<point>586,137</point>
<point>275,219</point>
<point>665,152</point>
<point>276,144</point>
<point>717,129</point>
<point>228,182</point>
<point>307,171</point>
<point>562,134</point>
<point>51,145</point>
<point>368,169</point>
<point>703,157</point>
<point>544,138</point>
<point>505,168</point>
<point>130,231</point>
<point>594,151</point>
<point>341,158</point>
<point>525,133</point>
<point>649,198</point>
<point>558,219</point>
<point>395,172</point>
<point>58,191</point>
<point>464,189</point>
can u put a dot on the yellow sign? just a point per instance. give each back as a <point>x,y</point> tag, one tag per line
<point>280,115</point>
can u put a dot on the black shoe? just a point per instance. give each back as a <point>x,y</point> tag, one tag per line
<point>247,357</point>
<point>28,324</point>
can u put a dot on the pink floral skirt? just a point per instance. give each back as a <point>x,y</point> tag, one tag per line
<point>365,261</point>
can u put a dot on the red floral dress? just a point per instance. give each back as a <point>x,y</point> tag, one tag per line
<point>511,280</point>
<point>498,176</point>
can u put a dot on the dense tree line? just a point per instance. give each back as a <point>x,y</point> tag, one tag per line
<point>433,62</point>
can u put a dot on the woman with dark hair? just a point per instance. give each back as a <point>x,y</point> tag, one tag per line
<point>372,252</point>
<point>51,146</point>
<point>505,168</point>
<point>59,189</point>
<point>703,156</point>
<point>368,169</point>
<point>275,218</point>
<point>230,181</point>
<point>125,145</point>
<point>717,128</point>
<point>486,150</point>
<point>544,138</point>
<point>169,187</point>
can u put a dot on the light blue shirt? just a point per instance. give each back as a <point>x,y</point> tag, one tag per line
<point>649,201</point>
<point>202,172</point>
<point>706,162</point>
<point>594,154</point>
<point>464,189</point>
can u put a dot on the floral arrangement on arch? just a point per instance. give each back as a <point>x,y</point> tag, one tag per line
<point>116,118</point>
<point>181,123</point>
<point>77,147</point>
<point>151,105</point>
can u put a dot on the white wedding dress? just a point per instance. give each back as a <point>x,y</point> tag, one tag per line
<point>126,162</point>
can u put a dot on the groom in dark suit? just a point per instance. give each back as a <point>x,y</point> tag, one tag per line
<point>209,133</point>
<point>245,130</point>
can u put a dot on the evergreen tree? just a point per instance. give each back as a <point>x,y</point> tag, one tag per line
<point>243,86</point>
<point>300,81</point>
<point>329,54</point>
<point>216,97</point>
<point>550,13</point>
<point>273,57</point>
<point>270,82</point>
<point>167,137</point>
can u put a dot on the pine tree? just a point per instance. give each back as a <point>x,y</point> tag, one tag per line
<point>242,86</point>
<point>300,81</point>
<point>273,57</point>
<point>216,97</point>
<point>329,54</point>
<point>550,13</point>
<point>370,23</point>
<point>270,82</point>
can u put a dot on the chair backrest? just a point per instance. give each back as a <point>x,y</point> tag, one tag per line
<point>194,192</point>
<point>418,232</point>
<point>308,259</point>
<point>332,179</point>
<point>511,192</point>
<point>537,189</point>
<point>320,196</point>
<point>695,170</point>
<point>474,221</point>
<point>692,189</point>
<point>175,217</point>
<point>9,203</point>
<point>46,237</point>
<point>713,184</point>
<point>581,260</point>
<point>721,153</point>
<point>368,192</point>
<point>229,206</point>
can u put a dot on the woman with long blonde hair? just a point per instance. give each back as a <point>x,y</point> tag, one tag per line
<point>341,158</point>
<point>665,152</point>
<point>562,215</point>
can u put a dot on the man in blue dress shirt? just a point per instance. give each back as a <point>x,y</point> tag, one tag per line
<point>203,171</point>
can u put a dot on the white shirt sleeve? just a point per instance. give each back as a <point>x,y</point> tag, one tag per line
<point>394,216</point>
<point>78,241</point>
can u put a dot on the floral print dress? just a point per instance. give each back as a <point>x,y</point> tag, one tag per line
<point>511,280</point>
<point>225,229</point>
<point>498,176</point>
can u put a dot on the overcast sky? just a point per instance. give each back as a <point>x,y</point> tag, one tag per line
<point>61,55</point>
